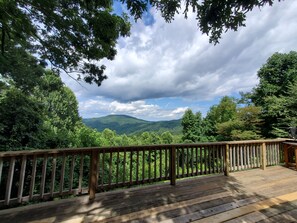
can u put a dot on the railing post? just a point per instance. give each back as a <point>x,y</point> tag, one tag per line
<point>226,161</point>
<point>286,157</point>
<point>93,174</point>
<point>172,165</point>
<point>263,156</point>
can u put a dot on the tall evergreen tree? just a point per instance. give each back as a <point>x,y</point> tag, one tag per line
<point>276,88</point>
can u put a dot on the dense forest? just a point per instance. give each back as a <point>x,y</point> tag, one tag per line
<point>41,112</point>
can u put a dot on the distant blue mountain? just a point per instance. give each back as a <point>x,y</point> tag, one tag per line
<point>124,124</point>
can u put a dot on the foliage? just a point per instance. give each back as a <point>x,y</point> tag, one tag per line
<point>225,121</point>
<point>193,129</point>
<point>36,113</point>
<point>70,34</point>
<point>214,17</point>
<point>276,93</point>
<point>244,126</point>
<point>223,112</point>
<point>21,120</point>
<point>74,34</point>
<point>19,68</point>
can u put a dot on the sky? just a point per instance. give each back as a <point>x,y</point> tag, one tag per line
<point>162,69</point>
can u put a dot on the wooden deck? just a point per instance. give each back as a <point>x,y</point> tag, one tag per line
<point>246,196</point>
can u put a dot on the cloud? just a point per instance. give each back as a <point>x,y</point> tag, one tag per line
<point>141,109</point>
<point>174,60</point>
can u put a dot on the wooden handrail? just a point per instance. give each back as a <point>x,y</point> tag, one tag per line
<point>128,148</point>
<point>44,174</point>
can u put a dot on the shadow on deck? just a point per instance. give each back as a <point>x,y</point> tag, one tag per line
<point>247,196</point>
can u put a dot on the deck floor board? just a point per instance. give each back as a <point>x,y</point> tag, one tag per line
<point>246,196</point>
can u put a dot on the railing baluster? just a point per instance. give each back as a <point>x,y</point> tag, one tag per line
<point>53,175</point>
<point>166,164</point>
<point>241,157</point>
<point>99,177</point>
<point>172,164</point>
<point>149,165</point>
<point>32,183</point>
<point>244,157</point>
<point>222,159</point>
<point>131,167</point>
<point>209,159</point>
<point>103,170</point>
<point>22,178</point>
<point>143,165</point>
<point>263,154</point>
<point>183,162</point>
<point>230,158</point>
<point>237,153</point>
<point>187,160</point>
<point>277,155</point>
<point>226,160</point>
<point>217,159</point>
<point>81,172</point>
<point>124,168</point>
<point>9,180</point>
<point>248,157</point>
<point>161,167</point>
<point>71,174</point>
<point>155,164</point>
<point>110,170</point>
<point>196,166</point>
<point>43,175</point>
<point>62,174</point>
<point>254,156</point>
<point>178,161</point>
<point>234,157</point>
<point>137,165</point>
<point>205,149</point>
<point>192,161</point>
<point>117,168</point>
<point>201,163</point>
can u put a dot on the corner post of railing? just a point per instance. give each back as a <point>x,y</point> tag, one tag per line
<point>93,174</point>
<point>172,165</point>
<point>226,160</point>
<point>263,156</point>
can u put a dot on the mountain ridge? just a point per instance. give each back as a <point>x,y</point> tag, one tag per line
<point>125,124</point>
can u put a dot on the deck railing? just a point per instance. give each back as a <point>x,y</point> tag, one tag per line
<point>45,174</point>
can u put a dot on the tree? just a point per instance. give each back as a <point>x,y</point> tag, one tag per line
<point>48,111</point>
<point>108,137</point>
<point>189,126</point>
<point>193,127</point>
<point>223,112</point>
<point>70,34</point>
<point>167,137</point>
<point>60,110</point>
<point>74,34</point>
<point>19,68</point>
<point>21,120</point>
<point>244,126</point>
<point>276,87</point>
<point>214,17</point>
<point>87,137</point>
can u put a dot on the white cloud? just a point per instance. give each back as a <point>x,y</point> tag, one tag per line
<point>175,60</point>
<point>100,106</point>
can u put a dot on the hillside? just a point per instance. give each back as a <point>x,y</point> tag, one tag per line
<point>124,124</point>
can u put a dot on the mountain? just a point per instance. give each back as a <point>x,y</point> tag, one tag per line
<point>124,124</point>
